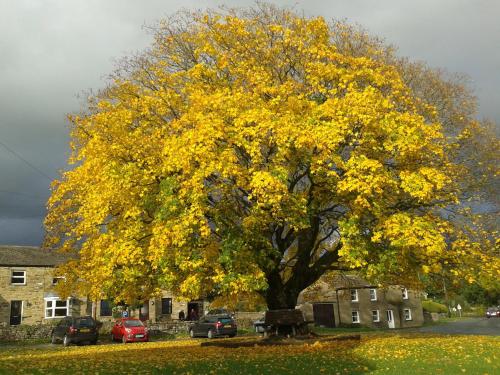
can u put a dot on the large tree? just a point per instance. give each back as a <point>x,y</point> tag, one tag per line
<point>256,150</point>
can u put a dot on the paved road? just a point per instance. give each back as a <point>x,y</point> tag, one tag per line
<point>471,326</point>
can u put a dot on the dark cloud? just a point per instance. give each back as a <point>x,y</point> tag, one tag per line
<point>53,50</point>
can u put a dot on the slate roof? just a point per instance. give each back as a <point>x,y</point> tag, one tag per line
<point>30,256</point>
<point>325,289</point>
<point>350,282</point>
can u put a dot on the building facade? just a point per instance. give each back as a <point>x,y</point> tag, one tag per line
<point>28,296</point>
<point>353,302</point>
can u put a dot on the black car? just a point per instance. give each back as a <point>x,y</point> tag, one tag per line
<point>213,326</point>
<point>73,330</point>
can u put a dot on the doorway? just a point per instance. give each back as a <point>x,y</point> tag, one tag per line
<point>16,312</point>
<point>390,319</point>
<point>324,315</point>
<point>193,311</point>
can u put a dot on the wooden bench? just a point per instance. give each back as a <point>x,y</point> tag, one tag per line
<point>285,322</point>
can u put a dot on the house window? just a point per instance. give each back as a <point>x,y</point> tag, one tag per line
<point>405,293</point>
<point>355,316</point>
<point>105,308</point>
<point>373,294</point>
<point>375,315</point>
<point>354,295</point>
<point>407,313</point>
<point>18,277</point>
<point>56,279</point>
<point>166,305</point>
<point>56,308</point>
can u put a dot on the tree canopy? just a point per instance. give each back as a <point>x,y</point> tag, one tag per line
<point>255,150</point>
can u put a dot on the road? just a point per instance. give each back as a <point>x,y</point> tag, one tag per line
<point>469,326</point>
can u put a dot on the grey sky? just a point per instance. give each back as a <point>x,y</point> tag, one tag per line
<point>52,50</point>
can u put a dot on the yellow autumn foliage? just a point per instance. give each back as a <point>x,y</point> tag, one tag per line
<point>247,151</point>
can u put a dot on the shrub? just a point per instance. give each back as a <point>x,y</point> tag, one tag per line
<point>434,307</point>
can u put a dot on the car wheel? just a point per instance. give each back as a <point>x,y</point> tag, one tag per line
<point>191,333</point>
<point>66,340</point>
<point>53,339</point>
<point>234,334</point>
<point>112,338</point>
<point>124,339</point>
<point>210,334</point>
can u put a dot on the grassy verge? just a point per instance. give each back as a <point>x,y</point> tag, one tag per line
<point>374,354</point>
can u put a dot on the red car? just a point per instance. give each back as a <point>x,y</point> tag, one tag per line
<point>129,330</point>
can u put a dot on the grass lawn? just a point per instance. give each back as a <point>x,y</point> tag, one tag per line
<point>374,354</point>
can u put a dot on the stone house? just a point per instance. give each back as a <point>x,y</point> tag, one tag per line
<point>27,294</point>
<point>351,301</point>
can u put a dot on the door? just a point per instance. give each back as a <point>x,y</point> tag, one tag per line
<point>61,328</point>
<point>144,311</point>
<point>324,314</point>
<point>16,312</point>
<point>390,319</point>
<point>200,326</point>
<point>115,331</point>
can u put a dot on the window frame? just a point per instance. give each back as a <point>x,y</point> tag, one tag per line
<point>356,299</point>
<point>169,310</point>
<point>23,277</point>
<point>409,316</point>
<point>53,307</point>
<point>377,320</point>
<point>374,290</point>
<point>358,317</point>
<point>405,293</point>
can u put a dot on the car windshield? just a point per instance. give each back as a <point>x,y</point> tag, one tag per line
<point>84,322</point>
<point>133,323</point>
<point>225,320</point>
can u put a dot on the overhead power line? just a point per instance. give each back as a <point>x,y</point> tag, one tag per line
<point>25,161</point>
<point>37,197</point>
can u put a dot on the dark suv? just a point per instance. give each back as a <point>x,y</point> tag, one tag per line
<point>75,330</point>
<point>213,326</point>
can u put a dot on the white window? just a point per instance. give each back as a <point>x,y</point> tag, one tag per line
<point>407,314</point>
<point>376,315</point>
<point>355,316</point>
<point>354,295</point>
<point>405,293</point>
<point>373,294</point>
<point>18,277</point>
<point>56,307</point>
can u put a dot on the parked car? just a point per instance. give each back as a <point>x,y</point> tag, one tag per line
<point>213,326</point>
<point>260,325</point>
<point>493,312</point>
<point>72,330</point>
<point>129,330</point>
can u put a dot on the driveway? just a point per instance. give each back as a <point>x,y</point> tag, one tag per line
<point>469,326</point>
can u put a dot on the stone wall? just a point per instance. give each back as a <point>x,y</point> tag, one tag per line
<point>388,299</point>
<point>245,319</point>
<point>26,332</point>
<point>38,285</point>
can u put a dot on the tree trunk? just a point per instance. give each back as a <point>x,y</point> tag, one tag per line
<point>279,296</point>
<point>307,268</point>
